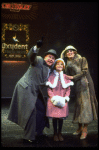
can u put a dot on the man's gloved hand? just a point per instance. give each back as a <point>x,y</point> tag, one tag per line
<point>40,43</point>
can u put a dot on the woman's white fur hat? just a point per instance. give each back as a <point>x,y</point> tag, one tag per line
<point>70,47</point>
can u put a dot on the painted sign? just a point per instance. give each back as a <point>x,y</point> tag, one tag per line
<point>15,40</point>
<point>15,6</point>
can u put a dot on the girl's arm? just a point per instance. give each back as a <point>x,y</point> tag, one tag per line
<point>67,93</point>
<point>50,92</point>
<point>67,90</point>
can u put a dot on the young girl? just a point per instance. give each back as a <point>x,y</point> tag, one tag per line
<point>58,92</point>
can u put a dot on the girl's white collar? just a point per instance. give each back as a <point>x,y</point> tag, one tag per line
<point>64,85</point>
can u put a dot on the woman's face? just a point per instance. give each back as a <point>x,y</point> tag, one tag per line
<point>70,54</point>
<point>59,66</point>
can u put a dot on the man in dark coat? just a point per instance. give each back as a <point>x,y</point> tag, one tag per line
<point>28,104</point>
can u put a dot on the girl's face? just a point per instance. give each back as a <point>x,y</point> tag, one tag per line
<point>59,66</point>
<point>70,54</point>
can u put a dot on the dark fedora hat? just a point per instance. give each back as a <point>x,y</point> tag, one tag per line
<point>52,52</point>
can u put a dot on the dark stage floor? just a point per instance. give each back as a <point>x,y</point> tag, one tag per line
<point>12,134</point>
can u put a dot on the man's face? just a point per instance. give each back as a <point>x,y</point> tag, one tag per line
<point>49,59</point>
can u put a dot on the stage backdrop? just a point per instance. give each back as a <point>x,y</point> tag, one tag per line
<point>12,71</point>
<point>62,24</point>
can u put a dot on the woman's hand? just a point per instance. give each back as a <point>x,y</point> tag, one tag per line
<point>69,77</point>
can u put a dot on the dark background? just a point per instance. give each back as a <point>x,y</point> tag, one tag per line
<point>62,24</point>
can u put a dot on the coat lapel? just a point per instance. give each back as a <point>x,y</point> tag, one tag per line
<point>45,73</point>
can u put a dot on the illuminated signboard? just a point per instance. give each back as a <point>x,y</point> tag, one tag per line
<point>15,6</point>
<point>15,39</point>
<point>21,10</point>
